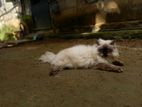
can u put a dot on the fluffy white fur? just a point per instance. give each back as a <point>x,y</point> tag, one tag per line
<point>80,56</point>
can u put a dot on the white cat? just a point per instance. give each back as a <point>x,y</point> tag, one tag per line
<point>85,56</point>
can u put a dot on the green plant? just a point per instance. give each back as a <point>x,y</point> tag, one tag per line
<point>4,33</point>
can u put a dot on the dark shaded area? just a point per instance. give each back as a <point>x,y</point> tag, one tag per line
<point>41,14</point>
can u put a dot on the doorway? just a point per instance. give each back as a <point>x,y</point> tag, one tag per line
<point>41,14</point>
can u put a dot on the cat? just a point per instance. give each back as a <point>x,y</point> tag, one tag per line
<point>95,56</point>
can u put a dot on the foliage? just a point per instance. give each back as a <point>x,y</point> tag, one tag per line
<point>24,17</point>
<point>4,33</point>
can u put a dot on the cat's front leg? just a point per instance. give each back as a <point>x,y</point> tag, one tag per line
<point>108,67</point>
<point>117,63</point>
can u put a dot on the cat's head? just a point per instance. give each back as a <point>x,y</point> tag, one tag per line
<point>107,48</point>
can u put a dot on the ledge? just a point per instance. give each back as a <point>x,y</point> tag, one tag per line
<point>123,34</point>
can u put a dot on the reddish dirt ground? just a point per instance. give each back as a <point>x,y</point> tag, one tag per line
<point>24,81</point>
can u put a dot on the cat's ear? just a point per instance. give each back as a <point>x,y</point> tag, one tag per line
<point>100,41</point>
<point>112,42</point>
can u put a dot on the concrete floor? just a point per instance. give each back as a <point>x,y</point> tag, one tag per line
<point>24,81</point>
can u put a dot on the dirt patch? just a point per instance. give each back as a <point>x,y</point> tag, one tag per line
<point>24,81</point>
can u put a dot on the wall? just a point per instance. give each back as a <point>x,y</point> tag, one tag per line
<point>100,12</point>
<point>129,10</point>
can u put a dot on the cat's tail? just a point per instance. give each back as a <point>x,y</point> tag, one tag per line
<point>47,57</point>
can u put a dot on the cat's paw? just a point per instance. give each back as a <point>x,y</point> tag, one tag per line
<point>119,70</point>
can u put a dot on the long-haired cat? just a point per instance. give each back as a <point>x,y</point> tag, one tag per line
<point>96,56</point>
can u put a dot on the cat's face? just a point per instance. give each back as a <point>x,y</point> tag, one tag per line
<point>107,48</point>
